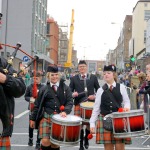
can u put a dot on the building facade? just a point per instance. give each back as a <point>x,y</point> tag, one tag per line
<point>53,37</point>
<point>95,66</point>
<point>25,22</point>
<point>63,44</point>
<point>127,29</point>
<point>141,14</point>
<point>120,55</point>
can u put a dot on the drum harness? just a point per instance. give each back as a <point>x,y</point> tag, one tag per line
<point>107,120</point>
<point>85,85</point>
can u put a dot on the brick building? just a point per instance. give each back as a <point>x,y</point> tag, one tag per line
<point>53,37</point>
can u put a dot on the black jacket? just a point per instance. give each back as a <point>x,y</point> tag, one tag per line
<point>77,84</point>
<point>64,95</point>
<point>28,93</point>
<point>145,90</point>
<point>14,87</point>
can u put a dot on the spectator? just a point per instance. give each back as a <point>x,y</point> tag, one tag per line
<point>148,68</point>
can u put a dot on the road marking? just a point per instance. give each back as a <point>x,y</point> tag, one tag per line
<point>23,113</point>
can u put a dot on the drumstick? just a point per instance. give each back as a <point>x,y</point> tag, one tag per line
<point>84,100</point>
<point>81,93</point>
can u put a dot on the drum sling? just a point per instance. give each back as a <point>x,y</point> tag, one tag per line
<point>107,121</point>
<point>84,99</point>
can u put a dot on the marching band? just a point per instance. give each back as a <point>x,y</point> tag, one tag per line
<point>104,111</point>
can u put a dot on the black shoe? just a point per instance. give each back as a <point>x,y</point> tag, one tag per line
<point>37,147</point>
<point>86,144</point>
<point>81,148</point>
<point>86,140</point>
<point>30,143</point>
<point>81,140</point>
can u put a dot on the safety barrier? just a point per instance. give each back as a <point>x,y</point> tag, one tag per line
<point>132,96</point>
<point>147,141</point>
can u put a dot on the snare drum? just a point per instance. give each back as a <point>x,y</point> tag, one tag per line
<point>86,110</point>
<point>65,131</point>
<point>128,124</point>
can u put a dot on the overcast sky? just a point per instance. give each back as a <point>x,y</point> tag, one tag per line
<point>94,34</point>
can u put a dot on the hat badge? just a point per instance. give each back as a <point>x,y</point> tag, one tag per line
<point>113,67</point>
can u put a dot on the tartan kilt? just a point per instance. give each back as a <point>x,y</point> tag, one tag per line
<point>77,112</point>
<point>5,143</point>
<point>45,126</point>
<point>104,137</point>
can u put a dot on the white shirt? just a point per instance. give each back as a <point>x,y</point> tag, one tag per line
<point>55,84</point>
<point>96,108</point>
<point>84,75</point>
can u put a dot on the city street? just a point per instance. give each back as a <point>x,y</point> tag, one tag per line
<point>19,138</point>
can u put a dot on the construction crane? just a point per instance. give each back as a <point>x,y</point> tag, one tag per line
<point>69,64</point>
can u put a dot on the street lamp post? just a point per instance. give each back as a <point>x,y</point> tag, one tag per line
<point>121,51</point>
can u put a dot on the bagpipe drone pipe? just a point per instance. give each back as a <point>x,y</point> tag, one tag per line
<point>5,68</point>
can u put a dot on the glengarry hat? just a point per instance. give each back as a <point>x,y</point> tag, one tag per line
<point>82,62</point>
<point>53,69</point>
<point>110,68</point>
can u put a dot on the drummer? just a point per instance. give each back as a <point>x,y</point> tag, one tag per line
<point>84,87</point>
<point>51,104</point>
<point>104,105</point>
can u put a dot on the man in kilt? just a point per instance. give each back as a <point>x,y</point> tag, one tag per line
<point>29,97</point>
<point>10,87</point>
<point>50,106</point>
<point>84,87</point>
<point>104,105</point>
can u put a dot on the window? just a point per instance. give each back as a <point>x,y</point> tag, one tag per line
<point>144,36</point>
<point>48,28</point>
<point>35,42</point>
<point>146,14</point>
<point>145,4</point>
<point>92,67</point>
<point>2,54</point>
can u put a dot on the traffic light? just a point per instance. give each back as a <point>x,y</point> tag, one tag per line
<point>132,58</point>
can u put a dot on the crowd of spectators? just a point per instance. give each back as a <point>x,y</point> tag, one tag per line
<point>142,90</point>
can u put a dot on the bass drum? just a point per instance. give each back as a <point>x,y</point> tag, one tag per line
<point>65,131</point>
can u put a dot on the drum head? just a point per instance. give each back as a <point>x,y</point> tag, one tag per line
<point>128,113</point>
<point>87,105</point>
<point>69,118</point>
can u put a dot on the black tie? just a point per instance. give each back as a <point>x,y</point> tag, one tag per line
<point>83,77</point>
<point>111,88</point>
<point>54,87</point>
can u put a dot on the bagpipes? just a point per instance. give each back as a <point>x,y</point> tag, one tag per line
<point>10,62</point>
<point>4,112</point>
